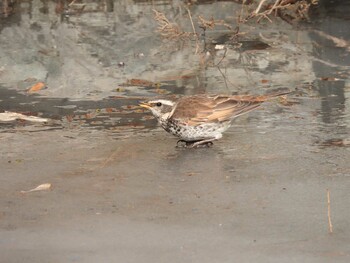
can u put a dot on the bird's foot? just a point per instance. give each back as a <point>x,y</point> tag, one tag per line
<point>183,144</point>
<point>194,144</point>
<point>202,144</point>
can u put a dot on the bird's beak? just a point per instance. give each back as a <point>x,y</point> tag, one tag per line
<point>145,105</point>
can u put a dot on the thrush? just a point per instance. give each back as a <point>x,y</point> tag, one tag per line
<point>201,119</point>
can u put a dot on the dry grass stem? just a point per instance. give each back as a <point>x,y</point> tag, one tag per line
<point>274,7</point>
<point>194,30</point>
<point>222,58</point>
<point>257,10</point>
<point>330,226</point>
<point>189,14</point>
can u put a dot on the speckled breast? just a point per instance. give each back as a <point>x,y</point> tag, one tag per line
<point>193,133</point>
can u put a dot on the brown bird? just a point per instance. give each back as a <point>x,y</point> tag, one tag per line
<point>201,119</point>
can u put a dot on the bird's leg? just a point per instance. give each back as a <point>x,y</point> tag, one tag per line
<point>202,143</point>
<point>195,144</point>
<point>186,144</point>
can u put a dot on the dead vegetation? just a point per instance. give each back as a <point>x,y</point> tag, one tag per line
<point>168,29</point>
<point>250,14</point>
<point>289,10</point>
<point>171,30</point>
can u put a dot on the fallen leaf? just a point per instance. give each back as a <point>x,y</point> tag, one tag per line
<point>329,79</point>
<point>36,87</point>
<point>12,116</point>
<point>41,187</point>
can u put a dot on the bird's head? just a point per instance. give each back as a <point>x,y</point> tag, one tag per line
<point>159,108</point>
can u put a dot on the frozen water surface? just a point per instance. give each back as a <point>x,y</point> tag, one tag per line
<point>120,190</point>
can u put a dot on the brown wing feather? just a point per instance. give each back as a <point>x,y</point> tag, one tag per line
<point>198,109</point>
<point>190,107</point>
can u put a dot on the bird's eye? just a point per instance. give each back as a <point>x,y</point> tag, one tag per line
<point>159,104</point>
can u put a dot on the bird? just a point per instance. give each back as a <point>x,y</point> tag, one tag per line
<point>199,120</point>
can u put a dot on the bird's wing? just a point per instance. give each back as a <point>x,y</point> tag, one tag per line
<point>195,110</point>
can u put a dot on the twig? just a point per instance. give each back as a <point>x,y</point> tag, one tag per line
<point>189,14</point>
<point>274,6</point>
<point>262,15</point>
<point>194,30</point>
<point>241,14</point>
<point>257,10</point>
<point>264,12</point>
<point>222,58</point>
<point>330,226</point>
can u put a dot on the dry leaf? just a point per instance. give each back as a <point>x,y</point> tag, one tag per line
<point>12,116</point>
<point>328,79</point>
<point>36,87</point>
<point>41,187</point>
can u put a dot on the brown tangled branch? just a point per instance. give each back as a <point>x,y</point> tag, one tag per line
<point>169,30</point>
<point>288,10</point>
